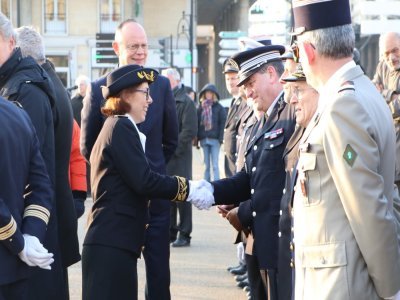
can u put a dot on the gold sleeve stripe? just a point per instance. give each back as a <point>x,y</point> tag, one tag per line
<point>182,189</point>
<point>8,230</point>
<point>38,212</point>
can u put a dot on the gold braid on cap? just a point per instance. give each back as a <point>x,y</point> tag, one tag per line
<point>148,76</point>
<point>183,189</point>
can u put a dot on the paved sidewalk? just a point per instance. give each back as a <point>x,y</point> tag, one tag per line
<point>197,272</point>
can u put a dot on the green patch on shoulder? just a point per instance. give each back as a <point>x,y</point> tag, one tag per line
<point>349,155</point>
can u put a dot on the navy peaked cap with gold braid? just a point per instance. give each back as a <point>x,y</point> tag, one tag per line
<point>316,14</point>
<point>125,77</point>
<point>250,61</point>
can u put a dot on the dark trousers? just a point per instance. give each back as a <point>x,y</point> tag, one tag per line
<point>15,291</point>
<point>184,226</point>
<point>108,273</point>
<point>156,252</point>
<point>257,289</point>
<point>269,278</point>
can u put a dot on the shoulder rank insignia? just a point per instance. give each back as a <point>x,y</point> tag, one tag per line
<point>349,155</point>
<point>273,134</point>
<point>347,86</point>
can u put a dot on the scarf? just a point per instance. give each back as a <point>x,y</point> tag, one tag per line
<point>206,114</point>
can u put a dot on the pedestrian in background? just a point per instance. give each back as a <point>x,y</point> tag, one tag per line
<point>161,129</point>
<point>82,82</point>
<point>181,162</point>
<point>345,234</point>
<point>387,80</point>
<point>211,118</point>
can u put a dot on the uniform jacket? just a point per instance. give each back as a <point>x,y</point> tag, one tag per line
<point>160,127</point>
<point>122,182</point>
<point>218,123</point>
<point>390,80</point>
<point>230,135</point>
<point>181,162</point>
<point>66,215</point>
<point>344,229</point>
<point>262,182</point>
<point>21,164</point>
<point>286,254</point>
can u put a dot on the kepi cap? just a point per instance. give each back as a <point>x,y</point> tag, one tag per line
<point>230,66</point>
<point>297,75</point>
<point>125,77</point>
<point>316,14</point>
<point>250,61</point>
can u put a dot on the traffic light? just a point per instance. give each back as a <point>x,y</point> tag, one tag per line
<point>164,49</point>
<point>104,55</point>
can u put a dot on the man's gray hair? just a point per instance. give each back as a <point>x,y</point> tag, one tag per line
<point>6,27</point>
<point>82,78</point>
<point>171,72</point>
<point>333,42</point>
<point>31,43</point>
<point>383,36</point>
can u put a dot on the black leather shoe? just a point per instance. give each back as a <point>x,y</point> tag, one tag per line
<point>239,278</point>
<point>239,271</point>
<point>181,242</point>
<point>243,283</point>
<point>233,267</point>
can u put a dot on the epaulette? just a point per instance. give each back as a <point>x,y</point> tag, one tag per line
<point>347,86</point>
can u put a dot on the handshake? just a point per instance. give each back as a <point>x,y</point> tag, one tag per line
<point>34,254</point>
<point>201,194</point>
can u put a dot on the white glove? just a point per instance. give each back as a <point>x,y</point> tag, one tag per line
<point>240,253</point>
<point>201,194</point>
<point>34,254</point>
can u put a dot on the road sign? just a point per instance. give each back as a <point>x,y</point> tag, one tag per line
<point>229,44</point>
<point>231,34</point>
<point>227,53</point>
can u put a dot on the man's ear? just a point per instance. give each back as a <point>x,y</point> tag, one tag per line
<point>309,52</point>
<point>115,46</point>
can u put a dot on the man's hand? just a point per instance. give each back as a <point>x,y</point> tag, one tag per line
<point>223,210</point>
<point>233,219</point>
<point>34,254</point>
<point>201,194</point>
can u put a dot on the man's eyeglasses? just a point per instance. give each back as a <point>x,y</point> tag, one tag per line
<point>146,92</point>
<point>135,47</point>
<point>298,92</point>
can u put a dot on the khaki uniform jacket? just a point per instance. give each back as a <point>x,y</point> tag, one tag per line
<point>344,229</point>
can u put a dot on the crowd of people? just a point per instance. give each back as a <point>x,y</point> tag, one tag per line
<point>311,157</point>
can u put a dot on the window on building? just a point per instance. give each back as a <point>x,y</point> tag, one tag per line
<point>61,63</point>
<point>5,8</point>
<point>110,15</point>
<point>55,17</point>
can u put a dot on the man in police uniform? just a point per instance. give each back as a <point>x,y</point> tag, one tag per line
<point>262,179</point>
<point>23,218</point>
<point>344,229</point>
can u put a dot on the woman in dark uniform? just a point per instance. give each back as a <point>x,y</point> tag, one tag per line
<point>122,183</point>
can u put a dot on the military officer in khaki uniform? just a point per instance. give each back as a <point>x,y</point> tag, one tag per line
<point>344,229</point>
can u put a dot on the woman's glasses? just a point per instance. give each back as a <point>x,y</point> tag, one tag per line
<point>146,92</point>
